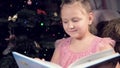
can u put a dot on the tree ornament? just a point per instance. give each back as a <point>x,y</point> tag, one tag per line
<point>29,2</point>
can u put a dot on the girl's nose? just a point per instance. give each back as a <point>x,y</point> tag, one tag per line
<point>71,26</point>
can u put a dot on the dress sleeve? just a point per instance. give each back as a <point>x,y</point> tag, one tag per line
<point>59,42</point>
<point>56,54</point>
<point>107,43</point>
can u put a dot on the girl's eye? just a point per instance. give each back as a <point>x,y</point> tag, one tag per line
<point>75,20</point>
<point>64,22</point>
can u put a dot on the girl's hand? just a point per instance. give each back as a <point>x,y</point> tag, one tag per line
<point>39,59</point>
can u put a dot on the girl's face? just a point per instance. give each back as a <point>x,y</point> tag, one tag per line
<point>75,20</point>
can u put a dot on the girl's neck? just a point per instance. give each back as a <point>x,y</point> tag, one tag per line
<point>86,38</point>
<point>78,45</point>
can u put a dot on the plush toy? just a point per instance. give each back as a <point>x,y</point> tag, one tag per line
<point>112,29</point>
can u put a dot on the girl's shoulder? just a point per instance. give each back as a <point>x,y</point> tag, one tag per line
<point>61,42</point>
<point>106,43</point>
<point>107,40</point>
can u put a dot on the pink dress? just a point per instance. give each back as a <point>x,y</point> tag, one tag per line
<point>67,56</point>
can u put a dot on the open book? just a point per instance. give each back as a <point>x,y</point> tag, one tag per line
<point>88,61</point>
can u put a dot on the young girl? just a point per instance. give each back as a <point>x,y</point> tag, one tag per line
<point>77,18</point>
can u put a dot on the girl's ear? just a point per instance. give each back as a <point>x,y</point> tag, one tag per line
<point>91,17</point>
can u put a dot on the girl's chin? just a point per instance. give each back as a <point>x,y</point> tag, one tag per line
<point>74,36</point>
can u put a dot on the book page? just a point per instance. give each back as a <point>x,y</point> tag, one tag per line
<point>98,61</point>
<point>27,62</point>
<point>92,57</point>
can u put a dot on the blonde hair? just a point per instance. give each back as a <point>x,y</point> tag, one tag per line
<point>84,3</point>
